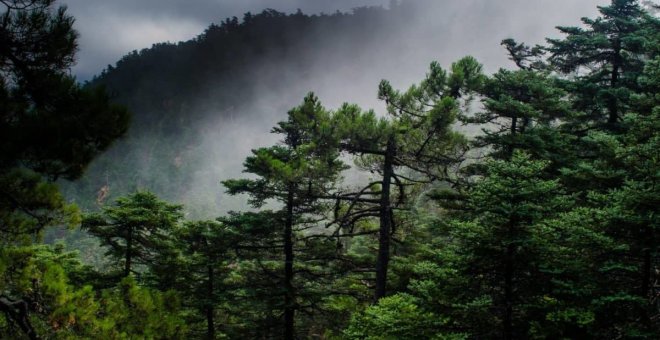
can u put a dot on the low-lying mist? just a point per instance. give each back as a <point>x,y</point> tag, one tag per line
<point>339,62</point>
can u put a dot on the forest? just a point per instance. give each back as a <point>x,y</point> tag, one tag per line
<point>357,223</point>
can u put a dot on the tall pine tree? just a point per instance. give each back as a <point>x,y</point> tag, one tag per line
<point>295,174</point>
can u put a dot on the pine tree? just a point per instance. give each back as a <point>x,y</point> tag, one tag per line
<point>50,124</point>
<point>606,58</point>
<point>629,217</point>
<point>500,245</point>
<point>612,179</point>
<point>51,128</point>
<point>415,146</point>
<point>296,174</point>
<point>134,229</point>
<point>521,111</point>
<point>256,293</point>
<point>587,270</point>
<point>205,247</point>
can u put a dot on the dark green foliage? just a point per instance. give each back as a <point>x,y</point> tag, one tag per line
<point>135,230</point>
<point>53,286</point>
<point>296,174</point>
<point>48,122</point>
<point>520,109</point>
<point>547,228</point>
<point>28,204</point>
<point>413,146</point>
<point>629,216</point>
<point>606,169</point>
<point>203,269</point>
<point>134,311</point>
<point>502,242</point>
<point>256,302</point>
<point>608,57</point>
<point>558,241</point>
<point>397,317</point>
<point>50,128</point>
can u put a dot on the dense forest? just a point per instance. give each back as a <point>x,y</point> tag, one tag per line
<point>543,225</point>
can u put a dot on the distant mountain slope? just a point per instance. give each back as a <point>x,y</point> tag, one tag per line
<point>199,106</point>
<point>242,74</point>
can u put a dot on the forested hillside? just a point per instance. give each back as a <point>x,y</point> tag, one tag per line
<point>544,225</point>
<point>236,75</point>
<point>200,106</point>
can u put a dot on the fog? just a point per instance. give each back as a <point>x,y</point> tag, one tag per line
<point>442,30</point>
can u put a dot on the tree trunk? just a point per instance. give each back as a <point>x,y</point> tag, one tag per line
<point>289,297</point>
<point>210,326</point>
<point>385,222</point>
